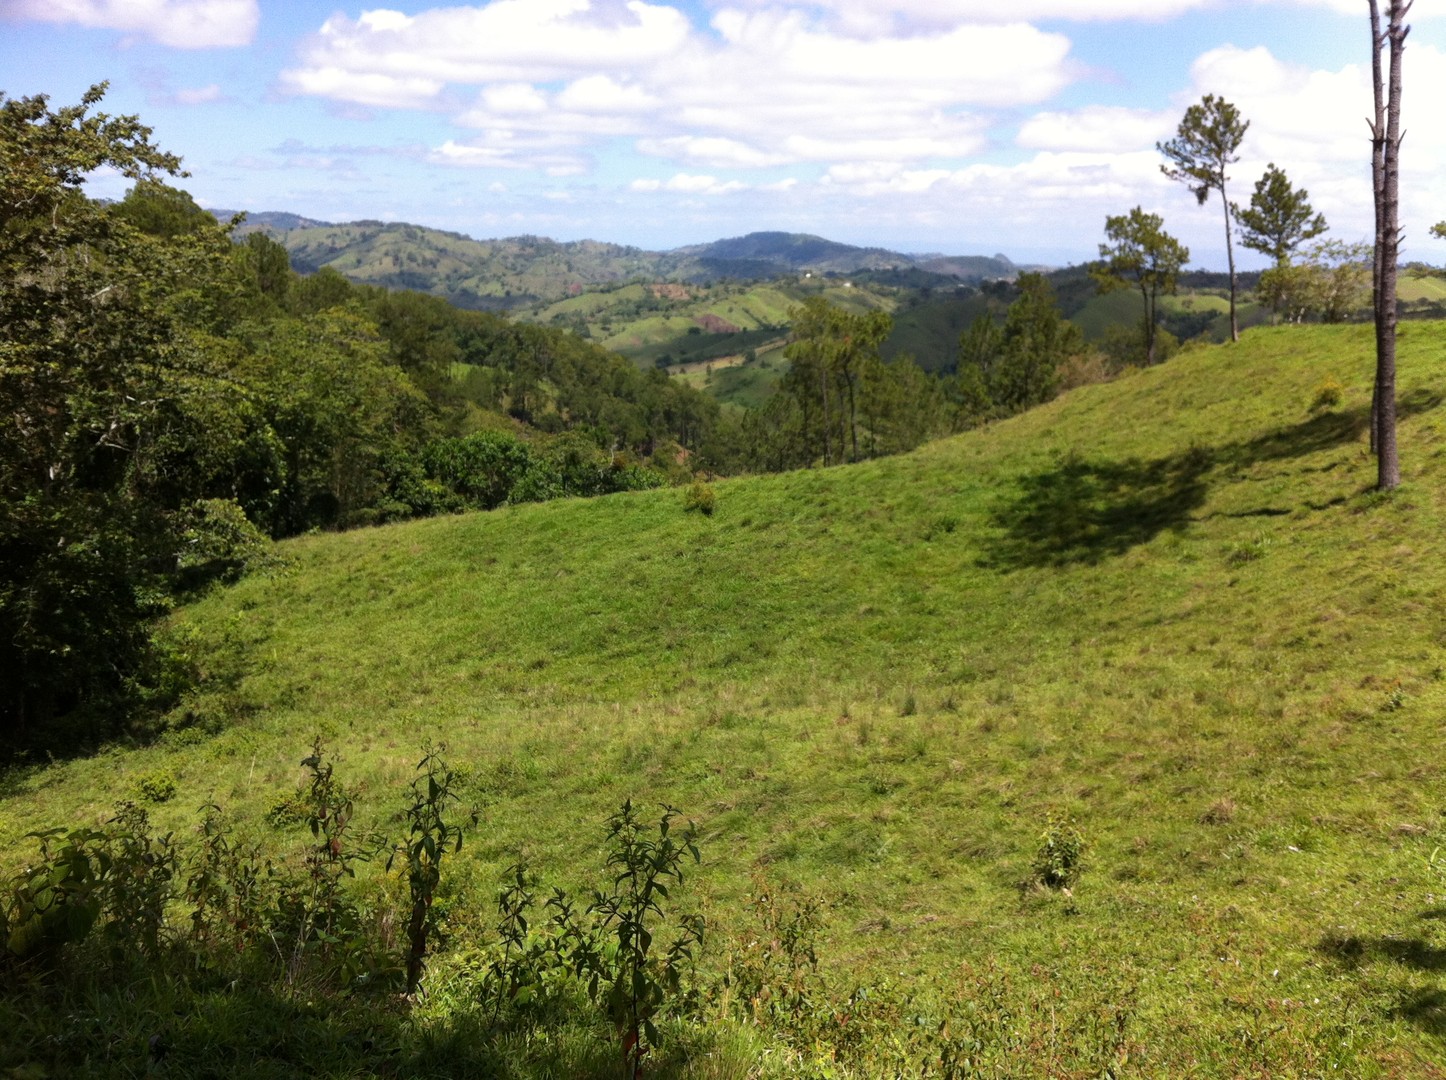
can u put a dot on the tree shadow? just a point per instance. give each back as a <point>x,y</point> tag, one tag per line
<point>1083,512</point>
<point>1323,431</point>
<point>1425,1008</point>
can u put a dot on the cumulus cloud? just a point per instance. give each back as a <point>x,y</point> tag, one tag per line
<point>689,185</point>
<point>879,16</point>
<point>1106,129</point>
<point>181,24</point>
<point>757,89</point>
<point>505,41</point>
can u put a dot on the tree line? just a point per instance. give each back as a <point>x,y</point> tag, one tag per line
<point>172,397</point>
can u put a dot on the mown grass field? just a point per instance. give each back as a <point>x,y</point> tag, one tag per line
<point>1169,608</point>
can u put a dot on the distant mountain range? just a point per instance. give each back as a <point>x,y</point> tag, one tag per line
<point>521,271</point>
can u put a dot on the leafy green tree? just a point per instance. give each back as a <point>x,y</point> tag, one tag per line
<point>830,351</point>
<point>326,386</point>
<point>1142,253</point>
<point>157,209</point>
<point>1204,147</point>
<point>1331,282</point>
<point>97,374</point>
<point>1279,218</point>
<point>1439,230</point>
<point>1034,341</point>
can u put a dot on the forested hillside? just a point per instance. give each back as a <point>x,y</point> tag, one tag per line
<point>177,398</point>
<point>521,271</point>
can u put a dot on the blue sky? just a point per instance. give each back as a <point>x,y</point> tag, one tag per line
<point>960,126</point>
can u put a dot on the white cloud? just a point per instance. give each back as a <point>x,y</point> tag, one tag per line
<point>553,156</point>
<point>714,151</point>
<point>199,95</point>
<point>504,41</point>
<point>365,88</point>
<point>690,185</point>
<point>765,89</point>
<point>1102,128</point>
<point>601,94</point>
<point>181,24</point>
<point>883,16</point>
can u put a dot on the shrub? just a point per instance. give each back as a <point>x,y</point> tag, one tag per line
<point>1328,395</point>
<point>156,787</point>
<point>1057,864</point>
<point>700,497</point>
<point>220,542</point>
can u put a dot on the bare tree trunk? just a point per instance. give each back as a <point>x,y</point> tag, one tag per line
<point>823,392</point>
<point>1230,258</point>
<point>1149,327</point>
<point>1378,194</point>
<point>1388,241</point>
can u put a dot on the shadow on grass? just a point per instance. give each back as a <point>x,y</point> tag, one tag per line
<point>1083,512</point>
<point>1424,1008</point>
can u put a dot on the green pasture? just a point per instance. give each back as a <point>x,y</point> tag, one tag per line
<point>1169,610</point>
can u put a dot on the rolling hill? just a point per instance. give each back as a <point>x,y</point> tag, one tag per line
<point>1167,613</point>
<point>527,270</point>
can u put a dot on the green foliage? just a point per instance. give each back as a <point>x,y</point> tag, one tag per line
<point>97,371</point>
<point>1328,395</point>
<point>221,542</point>
<point>631,982</point>
<point>1033,343</point>
<point>700,498</point>
<point>57,899</point>
<point>482,468</point>
<point>1204,146</point>
<point>772,976</point>
<point>156,787</point>
<point>432,834</point>
<point>1141,252</point>
<point>1279,218</point>
<point>1332,283</point>
<point>1058,862</point>
<point>1009,367</point>
<point>839,401</point>
<point>1125,345</point>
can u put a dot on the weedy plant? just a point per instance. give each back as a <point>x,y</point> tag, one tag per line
<point>701,498</point>
<point>612,950</point>
<point>431,835</point>
<point>772,979</point>
<point>1059,860</point>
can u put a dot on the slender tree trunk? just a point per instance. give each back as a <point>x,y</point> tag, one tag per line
<point>1388,465</point>
<point>1149,327</point>
<point>853,422</point>
<point>1378,194</point>
<point>827,420</point>
<point>1229,258</point>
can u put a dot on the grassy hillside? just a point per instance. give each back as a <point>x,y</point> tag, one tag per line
<point>527,271</point>
<point>695,324</point>
<point>1169,609</point>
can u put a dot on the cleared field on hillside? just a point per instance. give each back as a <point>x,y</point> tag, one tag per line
<point>1168,608</point>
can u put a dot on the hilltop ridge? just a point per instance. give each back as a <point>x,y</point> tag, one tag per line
<point>523,271</point>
